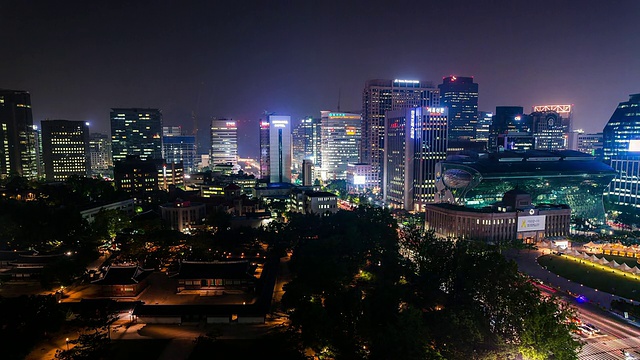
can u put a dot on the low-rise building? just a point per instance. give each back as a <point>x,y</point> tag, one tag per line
<point>181,215</point>
<point>89,214</point>
<point>513,218</point>
<point>216,277</point>
<point>121,281</point>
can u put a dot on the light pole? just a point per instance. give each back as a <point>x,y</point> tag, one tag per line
<point>67,340</point>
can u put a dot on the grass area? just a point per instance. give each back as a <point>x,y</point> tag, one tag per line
<point>593,275</point>
<point>144,349</point>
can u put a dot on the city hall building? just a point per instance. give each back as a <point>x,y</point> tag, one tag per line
<point>512,218</point>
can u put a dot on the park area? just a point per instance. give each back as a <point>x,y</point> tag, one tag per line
<point>594,275</point>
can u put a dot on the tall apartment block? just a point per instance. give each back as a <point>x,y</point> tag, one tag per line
<point>224,142</point>
<point>17,136</point>
<point>65,149</point>
<point>340,143</point>
<point>460,96</point>
<point>136,131</point>
<point>416,139</point>
<point>380,96</point>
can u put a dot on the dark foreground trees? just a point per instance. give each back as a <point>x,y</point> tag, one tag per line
<point>354,296</point>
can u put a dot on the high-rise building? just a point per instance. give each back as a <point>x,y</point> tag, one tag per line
<point>179,148</point>
<point>511,129</point>
<point>17,136</point>
<point>306,142</point>
<point>548,131</point>
<point>482,128</point>
<point>100,153</point>
<point>307,172</point>
<point>340,143</point>
<point>623,126</point>
<point>136,131</point>
<point>65,149</point>
<point>590,144</point>
<point>275,149</point>
<point>224,142</point>
<point>264,149</point>
<point>380,96</point>
<point>415,140</point>
<point>460,96</point>
<point>566,117</point>
<point>137,177</point>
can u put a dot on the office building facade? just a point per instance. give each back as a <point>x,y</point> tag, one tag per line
<point>625,186</point>
<point>511,129</point>
<point>416,140</point>
<point>623,126</point>
<point>17,135</point>
<point>306,142</point>
<point>275,149</point>
<point>460,96</point>
<point>100,153</point>
<point>224,142</point>
<point>136,131</point>
<point>179,148</point>
<point>65,149</point>
<point>565,113</point>
<point>380,96</point>
<point>340,143</point>
<point>548,131</point>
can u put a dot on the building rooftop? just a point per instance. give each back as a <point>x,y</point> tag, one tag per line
<point>214,270</point>
<point>123,275</point>
<point>320,194</point>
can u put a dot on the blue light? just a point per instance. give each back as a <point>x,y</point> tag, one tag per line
<point>581,299</point>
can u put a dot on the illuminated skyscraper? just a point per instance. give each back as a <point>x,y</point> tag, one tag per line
<point>340,143</point>
<point>65,147</point>
<point>460,95</point>
<point>548,131</point>
<point>416,139</point>
<point>100,153</point>
<point>136,131</point>
<point>17,135</point>
<point>179,148</point>
<point>264,149</point>
<point>280,148</point>
<point>380,96</point>
<point>565,113</point>
<point>511,129</point>
<point>623,126</point>
<point>224,142</point>
<point>306,142</point>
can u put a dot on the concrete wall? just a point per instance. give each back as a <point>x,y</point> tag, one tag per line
<point>160,319</point>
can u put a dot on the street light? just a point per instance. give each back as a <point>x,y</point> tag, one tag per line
<point>67,344</point>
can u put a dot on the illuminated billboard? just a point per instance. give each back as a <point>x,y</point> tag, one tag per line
<point>531,223</point>
<point>634,145</point>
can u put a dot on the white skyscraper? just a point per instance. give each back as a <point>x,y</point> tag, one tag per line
<point>224,142</point>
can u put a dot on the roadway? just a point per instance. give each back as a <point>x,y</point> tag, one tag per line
<point>616,335</point>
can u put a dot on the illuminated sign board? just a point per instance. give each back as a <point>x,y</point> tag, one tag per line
<point>231,124</point>
<point>264,124</point>
<point>435,110</point>
<point>634,145</point>
<point>406,81</point>
<point>517,118</point>
<point>531,223</point>
<point>279,123</point>
<point>359,179</point>
<point>556,108</point>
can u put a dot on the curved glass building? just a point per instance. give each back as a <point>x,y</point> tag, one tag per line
<point>556,177</point>
<point>623,126</point>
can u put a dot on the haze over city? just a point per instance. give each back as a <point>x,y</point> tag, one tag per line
<point>238,59</point>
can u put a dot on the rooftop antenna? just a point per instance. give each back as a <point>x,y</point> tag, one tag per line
<point>339,96</point>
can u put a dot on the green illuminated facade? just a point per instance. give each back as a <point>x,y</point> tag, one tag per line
<point>551,177</point>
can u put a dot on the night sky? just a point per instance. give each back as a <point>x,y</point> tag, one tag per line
<point>236,59</point>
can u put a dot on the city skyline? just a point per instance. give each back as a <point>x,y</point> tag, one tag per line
<point>276,57</point>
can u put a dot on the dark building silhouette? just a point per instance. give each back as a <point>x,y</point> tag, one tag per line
<point>460,95</point>
<point>137,177</point>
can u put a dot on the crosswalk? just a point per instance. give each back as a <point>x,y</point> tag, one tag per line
<point>611,349</point>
